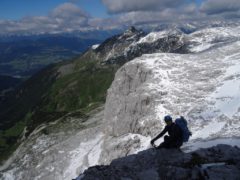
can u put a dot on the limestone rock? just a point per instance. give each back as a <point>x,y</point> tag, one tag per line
<point>219,162</point>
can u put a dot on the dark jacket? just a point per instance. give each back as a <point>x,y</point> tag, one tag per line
<point>174,131</point>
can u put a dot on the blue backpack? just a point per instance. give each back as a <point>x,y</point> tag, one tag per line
<point>182,123</point>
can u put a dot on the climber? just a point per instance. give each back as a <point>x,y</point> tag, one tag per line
<point>174,140</point>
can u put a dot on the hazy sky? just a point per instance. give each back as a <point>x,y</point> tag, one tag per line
<point>39,16</point>
<point>17,9</point>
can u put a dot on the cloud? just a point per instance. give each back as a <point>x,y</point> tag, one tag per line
<point>152,11</point>
<point>68,17</point>
<point>132,12</point>
<point>229,9</point>
<point>220,6</point>
<point>121,6</point>
<point>188,12</point>
<point>64,18</point>
<point>67,11</point>
<point>105,23</point>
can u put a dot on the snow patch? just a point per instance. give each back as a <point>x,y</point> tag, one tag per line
<point>78,157</point>
<point>95,46</point>
<point>10,175</point>
<point>194,145</point>
<point>144,142</point>
<point>208,130</point>
<point>94,155</point>
<point>152,37</point>
<point>201,47</point>
<point>226,98</point>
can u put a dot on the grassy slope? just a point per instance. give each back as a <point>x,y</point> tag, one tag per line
<point>48,96</point>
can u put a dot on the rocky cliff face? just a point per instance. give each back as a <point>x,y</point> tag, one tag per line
<point>219,162</point>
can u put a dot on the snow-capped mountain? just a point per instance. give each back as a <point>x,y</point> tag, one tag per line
<point>198,77</point>
<point>134,43</point>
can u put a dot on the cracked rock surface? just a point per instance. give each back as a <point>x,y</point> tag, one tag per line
<point>219,162</point>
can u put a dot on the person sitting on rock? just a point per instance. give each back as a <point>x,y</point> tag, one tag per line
<point>174,140</point>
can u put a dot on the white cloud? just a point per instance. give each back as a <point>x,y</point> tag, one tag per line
<point>68,17</point>
<point>188,12</point>
<point>65,17</point>
<point>120,6</point>
<point>105,23</point>
<point>220,6</point>
<point>68,10</point>
<point>153,11</point>
<point>157,11</point>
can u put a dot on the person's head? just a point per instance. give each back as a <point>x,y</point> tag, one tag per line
<point>168,120</point>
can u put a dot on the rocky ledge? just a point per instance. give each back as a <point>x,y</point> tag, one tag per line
<point>218,162</point>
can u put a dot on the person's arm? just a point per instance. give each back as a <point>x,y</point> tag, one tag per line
<point>160,135</point>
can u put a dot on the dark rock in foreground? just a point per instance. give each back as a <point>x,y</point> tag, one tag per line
<point>219,162</point>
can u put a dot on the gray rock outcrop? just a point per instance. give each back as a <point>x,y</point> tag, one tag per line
<point>216,163</point>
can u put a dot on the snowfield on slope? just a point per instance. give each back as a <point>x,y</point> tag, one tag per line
<point>204,87</point>
<point>204,39</point>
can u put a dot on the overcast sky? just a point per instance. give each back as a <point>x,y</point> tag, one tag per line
<point>68,15</point>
